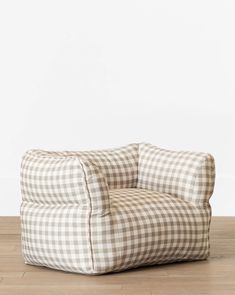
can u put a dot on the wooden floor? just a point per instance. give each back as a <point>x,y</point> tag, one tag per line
<point>214,276</point>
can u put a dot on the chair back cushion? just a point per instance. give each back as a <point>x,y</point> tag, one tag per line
<point>119,166</point>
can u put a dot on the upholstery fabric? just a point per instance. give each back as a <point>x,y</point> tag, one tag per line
<point>57,178</point>
<point>184,174</point>
<point>119,166</point>
<point>103,211</point>
<point>146,227</point>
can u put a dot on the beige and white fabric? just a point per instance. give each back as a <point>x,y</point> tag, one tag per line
<point>103,211</point>
<point>187,175</point>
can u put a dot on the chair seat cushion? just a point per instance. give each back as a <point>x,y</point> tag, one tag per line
<point>150,227</point>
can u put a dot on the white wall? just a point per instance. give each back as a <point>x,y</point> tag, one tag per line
<point>95,74</point>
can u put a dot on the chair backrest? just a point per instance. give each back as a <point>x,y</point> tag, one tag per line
<point>119,166</point>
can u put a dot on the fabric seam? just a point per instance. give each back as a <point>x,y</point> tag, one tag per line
<point>197,202</point>
<point>90,215</point>
<point>138,159</point>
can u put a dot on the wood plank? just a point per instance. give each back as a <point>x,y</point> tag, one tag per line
<point>69,290</point>
<point>9,225</point>
<point>11,274</point>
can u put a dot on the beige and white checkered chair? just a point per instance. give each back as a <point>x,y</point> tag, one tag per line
<point>103,211</point>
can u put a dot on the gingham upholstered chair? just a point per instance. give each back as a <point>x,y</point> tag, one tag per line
<point>103,211</point>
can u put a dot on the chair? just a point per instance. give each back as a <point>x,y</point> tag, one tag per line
<point>110,210</point>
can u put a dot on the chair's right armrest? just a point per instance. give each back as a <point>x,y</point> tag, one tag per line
<point>61,178</point>
<point>183,174</point>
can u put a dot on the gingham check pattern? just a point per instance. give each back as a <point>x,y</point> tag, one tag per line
<point>186,175</point>
<point>77,217</point>
<point>119,166</point>
<point>60,192</point>
<point>146,227</point>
